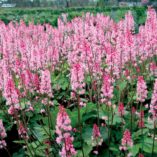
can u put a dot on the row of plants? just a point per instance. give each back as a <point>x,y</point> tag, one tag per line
<point>48,15</point>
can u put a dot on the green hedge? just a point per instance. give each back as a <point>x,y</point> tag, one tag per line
<point>49,15</point>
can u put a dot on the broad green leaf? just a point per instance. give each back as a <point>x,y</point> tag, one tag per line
<point>87,135</point>
<point>135,149</point>
<point>86,149</point>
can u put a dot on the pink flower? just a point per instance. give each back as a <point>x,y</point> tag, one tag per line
<point>2,130</point>
<point>2,144</point>
<point>140,155</point>
<point>126,140</point>
<point>27,79</point>
<point>107,89</point>
<point>82,104</point>
<point>141,120</point>
<point>45,84</point>
<point>36,82</point>
<point>96,152</point>
<point>68,149</point>
<point>121,109</point>
<point>96,137</point>
<point>96,131</point>
<point>77,78</point>
<point>2,135</point>
<point>11,93</point>
<point>141,89</point>
<point>22,131</point>
<point>133,110</point>
<point>63,130</point>
<point>42,111</point>
<point>153,105</point>
<point>153,68</point>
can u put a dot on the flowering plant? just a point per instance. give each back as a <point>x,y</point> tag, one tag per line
<point>86,88</point>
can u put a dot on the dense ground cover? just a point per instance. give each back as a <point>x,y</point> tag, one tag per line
<point>87,87</point>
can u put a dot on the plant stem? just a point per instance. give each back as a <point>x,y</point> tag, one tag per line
<point>79,122</point>
<point>131,118</point>
<point>153,140</point>
<point>8,152</point>
<point>108,131</point>
<point>98,106</point>
<point>28,148</point>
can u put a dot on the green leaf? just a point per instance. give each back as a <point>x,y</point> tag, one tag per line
<point>87,135</point>
<point>42,133</point>
<point>137,134</point>
<point>147,147</point>
<point>20,142</point>
<point>86,149</point>
<point>104,133</point>
<point>114,149</point>
<point>122,85</point>
<point>116,120</point>
<point>20,153</point>
<point>89,115</point>
<point>135,149</point>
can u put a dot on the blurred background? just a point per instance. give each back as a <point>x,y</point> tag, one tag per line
<point>48,11</point>
<point>74,3</point>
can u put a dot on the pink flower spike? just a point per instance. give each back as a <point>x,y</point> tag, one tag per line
<point>141,89</point>
<point>121,109</point>
<point>96,137</point>
<point>63,130</point>
<point>45,84</point>
<point>126,140</point>
<point>153,105</point>
<point>2,135</point>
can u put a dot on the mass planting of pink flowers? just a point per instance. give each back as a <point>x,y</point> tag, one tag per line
<point>108,64</point>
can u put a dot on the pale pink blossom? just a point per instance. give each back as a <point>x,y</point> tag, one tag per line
<point>77,78</point>
<point>45,84</point>
<point>141,89</point>
<point>2,135</point>
<point>153,105</point>
<point>63,130</point>
<point>107,89</point>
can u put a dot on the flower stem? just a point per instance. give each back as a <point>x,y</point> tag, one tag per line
<point>79,122</point>
<point>153,140</point>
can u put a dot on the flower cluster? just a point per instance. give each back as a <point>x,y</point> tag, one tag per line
<point>63,130</point>
<point>107,89</point>
<point>121,109</point>
<point>153,69</point>
<point>141,119</point>
<point>2,135</point>
<point>141,89</point>
<point>140,155</point>
<point>153,105</point>
<point>96,137</point>
<point>77,78</point>
<point>45,84</point>
<point>22,131</point>
<point>126,140</point>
